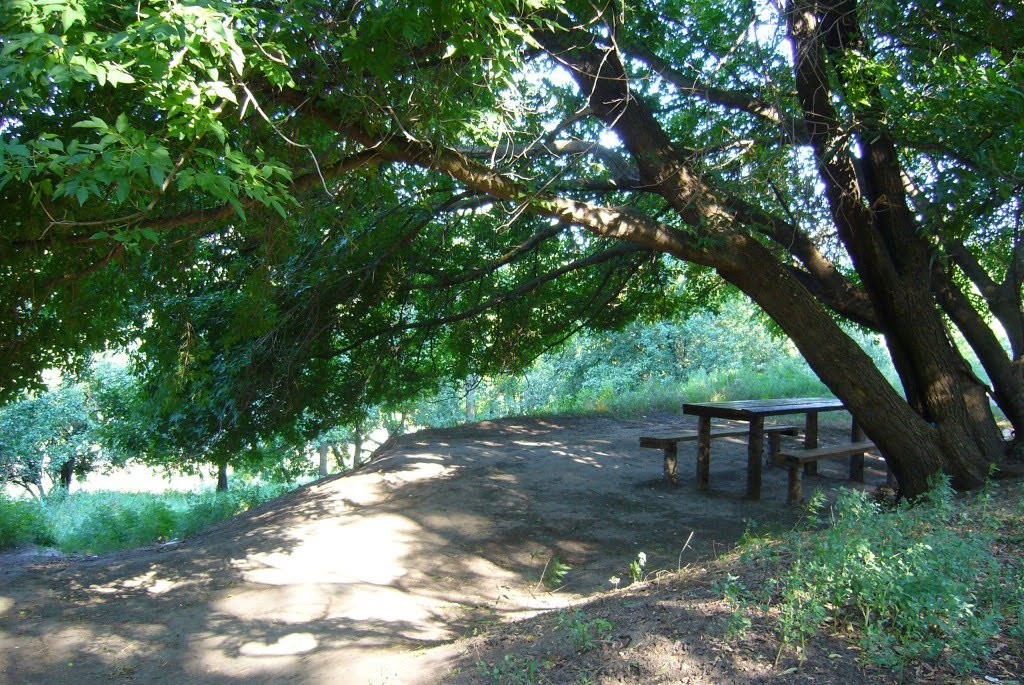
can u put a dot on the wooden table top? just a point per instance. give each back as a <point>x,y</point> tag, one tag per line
<point>748,409</point>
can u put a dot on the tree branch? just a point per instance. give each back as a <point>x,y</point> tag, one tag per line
<point>793,127</point>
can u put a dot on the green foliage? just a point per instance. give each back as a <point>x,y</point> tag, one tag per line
<point>584,633</point>
<point>636,567</point>
<point>96,523</point>
<point>50,438</point>
<point>553,575</point>
<point>100,522</point>
<point>22,522</point>
<point>918,583</point>
<point>646,367</point>
<point>252,198</point>
<point>512,670</point>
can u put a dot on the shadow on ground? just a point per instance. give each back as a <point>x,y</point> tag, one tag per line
<point>355,578</point>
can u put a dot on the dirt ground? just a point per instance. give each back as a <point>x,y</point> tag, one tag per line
<point>373,576</point>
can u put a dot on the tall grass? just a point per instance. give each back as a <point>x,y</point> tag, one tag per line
<point>786,378</point>
<point>106,521</point>
<point>937,581</point>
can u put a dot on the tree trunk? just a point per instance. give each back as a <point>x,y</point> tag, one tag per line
<point>470,388</point>
<point>67,472</point>
<point>911,446</point>
<point>222,476</point>
<point>357,445</point>
<point>323,459</point>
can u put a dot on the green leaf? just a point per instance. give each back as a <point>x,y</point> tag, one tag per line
<point>92,122</point>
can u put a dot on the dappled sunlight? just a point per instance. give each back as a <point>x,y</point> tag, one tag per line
<point>349,576</point>
<point>292,643</point>
<point>150,582</point>
<point>361,550</point>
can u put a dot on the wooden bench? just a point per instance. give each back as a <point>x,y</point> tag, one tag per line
<point>668,443</point>
<point>795,459</point>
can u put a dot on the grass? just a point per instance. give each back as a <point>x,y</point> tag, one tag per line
<point>787,378</point>
<point>934,582</point>
<point>106,521</point>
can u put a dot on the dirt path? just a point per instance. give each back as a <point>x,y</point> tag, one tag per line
<point>353,579</point>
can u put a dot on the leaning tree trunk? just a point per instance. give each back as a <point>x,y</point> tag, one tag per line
<point>879,231</point>
<point>913,448</point>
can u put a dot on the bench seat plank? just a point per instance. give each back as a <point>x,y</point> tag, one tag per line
<point>659,441</point>
<point>827,452</point>
<point>794,459</point>
<point>667,443</point>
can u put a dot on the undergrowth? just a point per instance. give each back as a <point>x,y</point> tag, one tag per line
<point>106,521</point>
<point>915,583</point>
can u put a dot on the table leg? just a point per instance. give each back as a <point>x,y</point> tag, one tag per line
<point>856,460</point>
<point>703,452</point>
<point>811,441</point>
<point>755,450</point>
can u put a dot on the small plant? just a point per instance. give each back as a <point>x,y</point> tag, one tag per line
<point>553,575</point>
<point>512,670</point>
<point>636,567</point>
<point>735,594</point>
<point>583,633</point>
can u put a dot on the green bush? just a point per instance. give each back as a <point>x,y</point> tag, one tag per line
<point>918,583</point>
<point>203,509</point>
<point>22,522</point>
<point>99,522</point>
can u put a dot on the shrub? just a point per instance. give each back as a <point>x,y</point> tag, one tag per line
<point>100,522</point>
<point>918,583</point>
<point>22,522</point>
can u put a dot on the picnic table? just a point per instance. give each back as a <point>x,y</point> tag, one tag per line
<point>754,412</point>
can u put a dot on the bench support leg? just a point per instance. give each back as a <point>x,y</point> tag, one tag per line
<point>774,444</point>
<point>703,452</point>
<point>811,441</point>
<point>856,460</point>
<point>755,450</point>
<point>670,465</point>
<point>795,495</point>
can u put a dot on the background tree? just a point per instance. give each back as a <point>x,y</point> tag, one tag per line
<point>450,188</point>
<point>47,440</point>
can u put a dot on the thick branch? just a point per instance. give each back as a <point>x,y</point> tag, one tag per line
<point>1003,298</point>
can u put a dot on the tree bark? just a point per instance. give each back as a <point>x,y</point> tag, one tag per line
<point>222,476</point>
<point>357,446</point>
<point>953,430</point>
<point>877,227</point>
<point>323,459</point>
<point>67,472</point>
<point>470,387</point>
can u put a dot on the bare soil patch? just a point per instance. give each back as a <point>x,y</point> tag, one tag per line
<point>373,576</point>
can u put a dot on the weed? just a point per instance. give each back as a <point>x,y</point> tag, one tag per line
<point>735,594</point>
<point>636,567</point>
<point>583,633</point>
<point>553,575</point>
<point>98,522</point>
<point>512,670</point>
